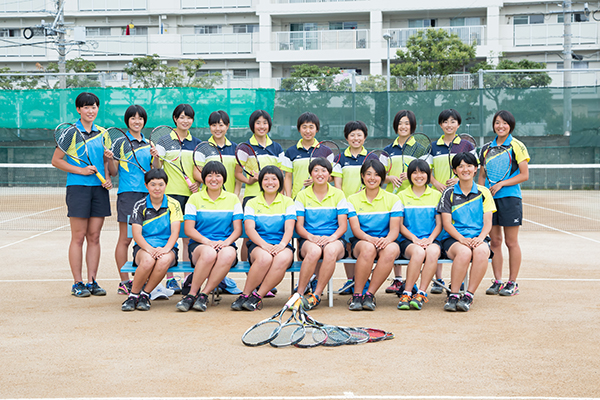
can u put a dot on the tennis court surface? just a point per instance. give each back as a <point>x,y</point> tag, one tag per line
<point>543,343</point>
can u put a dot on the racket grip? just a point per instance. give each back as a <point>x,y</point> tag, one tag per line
<point>291,301</point>
<point>188,180</point>
<point>101,178</point>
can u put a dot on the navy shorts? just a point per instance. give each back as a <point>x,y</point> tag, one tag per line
<point>446,243</point>
<point>302,241</point>
<point>509,212</point>
<point>87,201</point>
<point>251,246</point>
<point>125,203</point>
<point>354,241</point>
<point>193,245</point>
<point>137,248</point>
<point>405,243</point>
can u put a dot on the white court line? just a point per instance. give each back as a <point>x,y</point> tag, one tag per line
<point>32,237</point>
<point>562,212</point>
<point>560,230</point>
<point>31,215</point>
<point>346,395</point>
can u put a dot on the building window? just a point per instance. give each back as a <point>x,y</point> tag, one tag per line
<point>574,65</point>
<point>245,73</point>
<point>334,26</point>
<point>245,28</point>
<point>575,17</point>
<point>138,30</point>
<point>209,72</point>
<point>207,29</point>
<point>93,31</point>
<point>422,23</point>
<point>10,32</point>
<point>528,19</point>
<point>470,21</point>
<point>308,26</point>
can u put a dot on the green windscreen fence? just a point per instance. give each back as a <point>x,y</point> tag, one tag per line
<point>28,117</point>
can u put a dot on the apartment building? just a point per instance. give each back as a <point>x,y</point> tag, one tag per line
<point>255,43</point>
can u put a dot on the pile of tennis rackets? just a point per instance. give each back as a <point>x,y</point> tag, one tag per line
<point>302,330</point>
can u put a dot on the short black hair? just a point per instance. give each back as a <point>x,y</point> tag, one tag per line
<point>256,115</point>
<point>217,116</point>
<point>132,111</point>
<point>86,99</point>
<point>507,117</point>
<point>308,117</point>
<point>354,125</point>
<point>418,165</point>
<point>377,166</point>
<point>446,114</point>
<point>214,167</point>
<point>468,158</point>
<point>412,119</point>
<point>156,174</point>
<point>321,161</point>
<point>186,109</point>
<point>270,169</point>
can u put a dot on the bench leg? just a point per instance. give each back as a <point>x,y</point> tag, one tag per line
<point>330,292</point>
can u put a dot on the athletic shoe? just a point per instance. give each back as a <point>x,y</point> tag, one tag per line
<point>311,301</point>
<point>437,289</point>
<point>228,286</point>
<point>451,302</point>
<point>395,287</point>
<point>80,290</point>
<point>356,302</point>
<point>464,303</point>
<point>187,285</point>
<point>313,285</point>
<point>417,301</point>
<point>129,304</point>
<point>201,301</point>
<point>274,291</point>
<point>161,293</point>
<point>125,287</point>
<point>404,303</point>
<point>510,289</point>
<point>347,287</point>
<point>239,302</point>
<point>95,289</point>
<point>270,294</point>
<point>369,302</point>
<point>366,287</point>
<point>186,303</point>
<point>173,285</point>
<point>495,288</point>
<point>143,303</point>
<point>253,302</point>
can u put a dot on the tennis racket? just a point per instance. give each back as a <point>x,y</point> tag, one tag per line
<point>497,164</point>
<point>268,329</point>
<point>122,148</point>
<point>377,335</point>
<point>421,148</point>
<point>382,156</point>
<point>357,335</point>
<point>70,141</point>
<point>291,332</point>
<point>466,144</point>
<point>169,148</point>
<point>329,150</point>
<point>314,335</point>
<point>247,159</point>
<point>336,336</point>
<point>205,152</point>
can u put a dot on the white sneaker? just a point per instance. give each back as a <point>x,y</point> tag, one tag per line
<point>161,293</point>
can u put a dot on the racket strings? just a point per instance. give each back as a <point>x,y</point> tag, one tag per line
<point>261,333</point>
<point>498,164</point>
<point>314,336</point>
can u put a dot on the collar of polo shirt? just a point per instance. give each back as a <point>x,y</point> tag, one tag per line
<point>212,140</point>
<point>314,144</point>
<point>254,142</point>
<point>348,153</point>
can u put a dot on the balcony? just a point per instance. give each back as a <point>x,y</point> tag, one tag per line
<point>112,5</point>
<point>10,6</point>
<point>220,43</point>
<point>308,1</point>
<point>195,4</point>
<point>467,34</point>
<point>322,40</point>
<point>20,47</point>
<point>552,34</point>
<point>115,46</point>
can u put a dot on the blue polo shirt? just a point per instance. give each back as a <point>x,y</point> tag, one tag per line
<point>156,224</point>
<point>419,212</point>
<point>321,217</point>
<point>95,148</point>
<point>350,171</point>
<point>374,218</point>
<point>519,153</point>
<point>214,218</point>
<point>441,164</point>
<point>131,178</point>
<point>228,155</point>
<point>270,218</point>
<point>271,154</point>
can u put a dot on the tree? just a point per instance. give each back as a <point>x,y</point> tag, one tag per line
<point>516,80</point>
<point>433,54</point>
<point>306,78</point>
<point>191,68</point>
<point>77,65</point>
<point>377,83</point>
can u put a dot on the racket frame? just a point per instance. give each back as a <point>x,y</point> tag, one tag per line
<point>509,169</point>
<point>462,136</point>
<point>133,161</point>
<point>172,162</point>
<point>206,142</point>
<point>251,154</point>
<point>276,318</point>
<point>85,149</point>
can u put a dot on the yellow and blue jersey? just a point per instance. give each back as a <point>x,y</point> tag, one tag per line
<point>95,147</point>
<point>440,164</point>
<point>467,209</point>
<point>395,151</point>
<point>349,170</point>
<point>228,155</point>
<point>270,219</point>
<point>271,154</point>
<point>295,161</point>
<point>321,217</point>
<point>156,224</point>
<point>214,218</point>
<point>177,184</point>
<point>131,178</point>
<point>419,212</point>
<point>374,218</point>
<point>518,153</point>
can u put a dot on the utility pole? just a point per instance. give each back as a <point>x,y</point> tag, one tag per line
<point>567,81</point>
<point>62,48</point>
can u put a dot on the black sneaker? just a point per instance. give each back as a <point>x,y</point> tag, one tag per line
<point>200,304</point>
<point>451,303</point>
<point>368,302</point>
<point>510,289</point>
<point>187,284</point>
<point>464,303</point>
<point>355,302</point>
<point>143,303</point>
<point>239,302</point>
<point>186,303</point>
<point>129,304</point>
<point>437,289</point>
<point>253,302</point>
<point>495,288</point>
<point>95,289</point>
<point>80,290</point>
